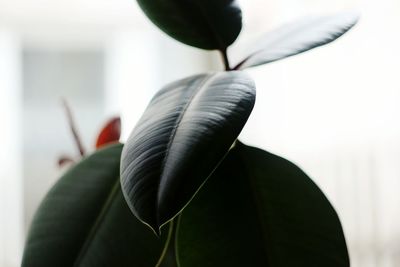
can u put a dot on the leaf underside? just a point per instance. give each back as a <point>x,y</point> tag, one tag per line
<point>258,209</point>
<point>297,37</point>
<point>206,24</point>
<point>184,133</point>
<point>84,221</point>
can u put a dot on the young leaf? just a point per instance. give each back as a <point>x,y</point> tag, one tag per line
<point>84,221</point>
<point>206,24</point>
<point>184,133</point>
<point>297,37</point>
<point>110,133</point>
<point>258,209</point>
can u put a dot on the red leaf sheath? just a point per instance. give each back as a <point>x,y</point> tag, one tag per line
<point>110,133</point>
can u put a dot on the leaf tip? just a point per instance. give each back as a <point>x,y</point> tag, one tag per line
<point>352,16</point>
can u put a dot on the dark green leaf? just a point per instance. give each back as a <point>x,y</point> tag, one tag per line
<point>84,221</point>
<point>206,24</point>
<point>184,133</point>
<point>258,209</point>
<point>297,37</point>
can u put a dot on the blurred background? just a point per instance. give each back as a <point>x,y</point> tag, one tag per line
<point>334,111</point>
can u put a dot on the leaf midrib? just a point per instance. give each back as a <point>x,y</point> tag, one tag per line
<point>202,85</point>
<point>221,45</point>
<point>212,30</point>
<point>257,203</point>
<point>93,230</point>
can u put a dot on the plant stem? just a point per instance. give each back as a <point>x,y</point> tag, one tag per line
<point>168,256</point>
<point>225,59</point>
<point>72,126</point>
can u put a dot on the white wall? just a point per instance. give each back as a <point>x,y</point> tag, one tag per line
<point>11,221</point>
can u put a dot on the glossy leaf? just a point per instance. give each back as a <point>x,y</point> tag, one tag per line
<point>297,37</point>
<point>110,133</point>
<point>84,221</point>
<point>184,133</point>
<point>258,209</point>
<point>206,24</point>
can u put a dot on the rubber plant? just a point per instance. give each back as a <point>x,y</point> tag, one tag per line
<point>182,190</point>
